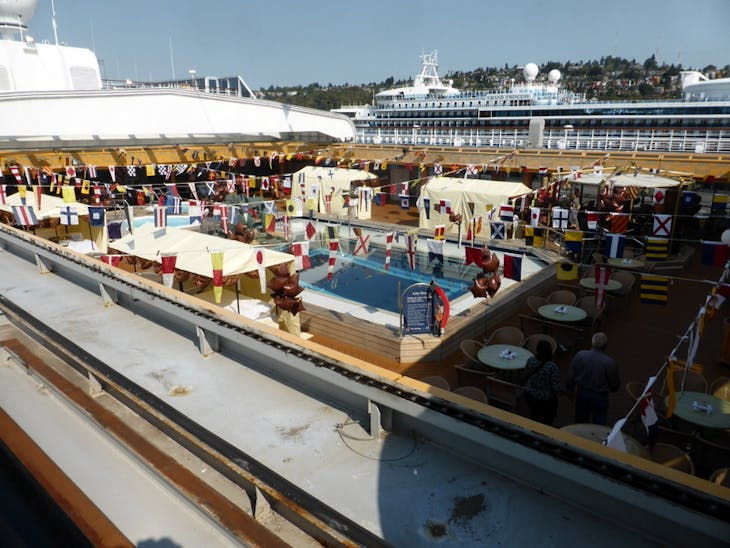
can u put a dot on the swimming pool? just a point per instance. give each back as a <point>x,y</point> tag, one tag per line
<point>173,221</point>
<point>365,279</point>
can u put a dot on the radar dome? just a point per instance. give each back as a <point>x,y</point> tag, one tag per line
<point>554,76</point>
<point>11,10</point>
<point>530,72</point>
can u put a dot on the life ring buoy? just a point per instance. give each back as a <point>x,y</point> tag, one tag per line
<point>445,309</point>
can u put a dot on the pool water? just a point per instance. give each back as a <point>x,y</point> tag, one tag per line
<point>365,280</point>
<point>173,221</point>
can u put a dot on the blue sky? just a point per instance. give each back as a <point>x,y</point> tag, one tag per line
<point>291,42</point>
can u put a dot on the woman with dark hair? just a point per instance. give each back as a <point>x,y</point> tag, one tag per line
<point>542,384</point>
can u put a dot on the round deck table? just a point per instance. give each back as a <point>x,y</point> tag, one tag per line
<point>599,433</point>
<point>490,356</point>
<point>626,263</point>
<point>720,417</point>
<point>611,284</point>
<point>562,313</point>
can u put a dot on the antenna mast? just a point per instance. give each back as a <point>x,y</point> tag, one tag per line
<point>53,21</point>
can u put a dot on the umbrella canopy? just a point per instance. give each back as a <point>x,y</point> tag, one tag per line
<point>641,180</point>
<point>332,182</point>
<point>193,250</point>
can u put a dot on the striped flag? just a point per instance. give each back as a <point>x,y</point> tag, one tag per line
<point>435,250</point>
<point>657,249</point>
<point>24,215</point>
<point>168,261</point>
<point>512,268</point>
<point>619,222</point>
<point>160,217</point>
<point>439,232</point>
<point>574,240</point>
<point>334,247</point>
<point>602,275</point>
<point>615,245</point>
<point>388,248</point>
<point>592,220</point>
<point>654,289</point>
<point>714,253</point>
<point>506,212</point>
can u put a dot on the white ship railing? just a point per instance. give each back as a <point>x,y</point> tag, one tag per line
<point>651,140</point>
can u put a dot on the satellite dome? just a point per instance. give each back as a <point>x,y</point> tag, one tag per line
<point>554,76</point>
<point>16,13</point>
<point>530,72</point>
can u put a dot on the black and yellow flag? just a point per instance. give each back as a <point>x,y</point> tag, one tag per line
<point>657,249</point>
<point>534,236</point>
<point>654,289</point>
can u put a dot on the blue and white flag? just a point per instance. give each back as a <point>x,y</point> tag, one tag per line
<point>436,250</point>
<point>69,215</point>
<point>497,229</point>
<point>615,245</point>
<point>96,216</point>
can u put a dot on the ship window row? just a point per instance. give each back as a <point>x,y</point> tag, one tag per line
<point>679,110</point>
<point>560,124</point>
<point>457,104</point>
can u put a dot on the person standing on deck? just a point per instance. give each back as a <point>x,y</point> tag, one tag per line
<point>594,374</point>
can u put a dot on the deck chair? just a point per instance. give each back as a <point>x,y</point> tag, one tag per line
<point>720,388</point>
<point>501,393</point>
<point>437,381</point>
<point>562,296</point>
<point>532,340</point>
<point>534,302</point>
<point>470,349</point>
<point>721,476</point>
<point>673,456</point>
<point>594,315</point>
<point>627,279</point>
<point>472,392</point>
<point>507,335</point>
<point>472,377</point>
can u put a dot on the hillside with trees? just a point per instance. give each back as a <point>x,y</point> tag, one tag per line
<point>609,78</point>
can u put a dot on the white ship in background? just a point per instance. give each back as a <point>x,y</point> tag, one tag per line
<point>53,96</point>
<point>539,114</point>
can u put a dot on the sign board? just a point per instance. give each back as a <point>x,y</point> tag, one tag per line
<point>417,315</point>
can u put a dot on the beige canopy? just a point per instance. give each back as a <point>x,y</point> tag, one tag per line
<point>483,195</point>
<point>328,181</point>
<point>50,205</point>
<point>641,180</point>
<point>193,250</point>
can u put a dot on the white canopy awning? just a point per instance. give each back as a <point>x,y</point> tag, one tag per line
<point>328,181</point>
<point>193,250</point>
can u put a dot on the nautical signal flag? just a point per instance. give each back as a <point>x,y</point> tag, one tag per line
<point>24,215</point>
<point>534,216</point>
<point>662,225</point>
<point>497,229</point>
<point>270,222</point>
<point>574,240</point>
<point>300,250</point>
<point>534,236</point>
<point>97,216</point>
<point>69,215</point>
<point>310,230</point>
<point>601,277</point>
<point>714,253</point>
<point>68,193</point>
<point>411,250</point>
<point>566,270</point>
<point>592,220</point>
<point>388,248</point>
<point>216,261</point>
<point>506,212</point>
<point>334,246</point>
<point>719,204</point>
<point>426,202</point>
<point>512,267</point>
<point>362,246</point>
<point>619,222</point>
<point>439,232</point>
<point>405,202</point>
<point>473,256</point>
<point>615,245</point>
<point>445,207</point>
<point>657,249</point>
<point>560,218</point>
<point>435,250</point>
<point>160,217</point>
<point>331,232</point>
<point>654,289</point>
